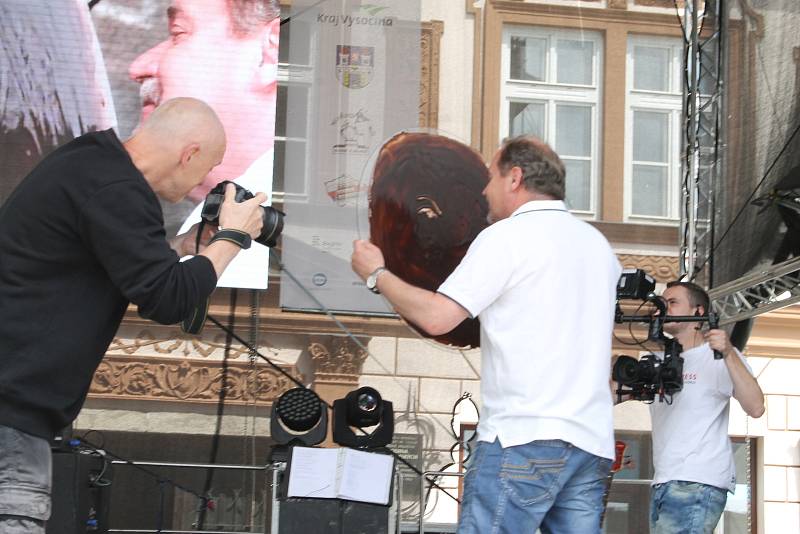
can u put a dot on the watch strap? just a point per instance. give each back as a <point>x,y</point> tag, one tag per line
<point>237,237</point>
<point>373,277</point>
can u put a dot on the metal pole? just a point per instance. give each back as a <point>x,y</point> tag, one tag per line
<point>204,466</point>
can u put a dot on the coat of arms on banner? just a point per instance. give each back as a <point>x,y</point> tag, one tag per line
<point>354,65</point>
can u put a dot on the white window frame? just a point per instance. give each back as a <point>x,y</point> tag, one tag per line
<point>299,75</point>
<point>669,102</point>
<point>552,93</point>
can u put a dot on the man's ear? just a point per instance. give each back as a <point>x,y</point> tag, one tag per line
<point>268,67</point>
<point>189,152</point>
<point>516,178</point>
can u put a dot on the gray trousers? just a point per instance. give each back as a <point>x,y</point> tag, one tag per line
<point>25,481</point>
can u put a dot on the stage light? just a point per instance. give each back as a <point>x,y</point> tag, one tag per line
<point>299,417</point>
<point>363,408</point>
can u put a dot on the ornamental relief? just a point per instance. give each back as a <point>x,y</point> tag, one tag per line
<point>337,355</point>
<point>662,268</point>
<point>187,381</point>
<point>431,35</point>
<point>175,343</point>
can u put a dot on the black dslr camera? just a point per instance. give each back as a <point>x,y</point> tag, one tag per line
<point>272,219</point>
<point>650,375</point>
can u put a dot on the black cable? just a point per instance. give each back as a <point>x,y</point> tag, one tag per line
<point>161,505</point>
<point>223,391</point>
<point>680,22</point>
<point>752,194</point>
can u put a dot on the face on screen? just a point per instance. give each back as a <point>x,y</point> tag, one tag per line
<point>234,73</point>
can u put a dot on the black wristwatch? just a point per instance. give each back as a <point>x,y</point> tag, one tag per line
<point>237,237</point>
<point>372,279</point>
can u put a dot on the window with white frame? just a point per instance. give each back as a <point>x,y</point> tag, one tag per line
<point>293,79</point>
<point>551,90</point>
<point>652,132</point>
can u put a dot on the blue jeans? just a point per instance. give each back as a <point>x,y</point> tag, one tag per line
<point>547,484</point>
<point>25,475</point>
<point>685,507</point>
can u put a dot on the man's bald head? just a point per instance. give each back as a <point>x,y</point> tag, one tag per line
<point>177,146</point>
<point>182,121</point>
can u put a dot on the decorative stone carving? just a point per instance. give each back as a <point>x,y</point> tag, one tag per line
<point>185,380</point>
<point>174,343</point>
<point>662,268</point>
<point>337,358</point>
<point>429,75</point>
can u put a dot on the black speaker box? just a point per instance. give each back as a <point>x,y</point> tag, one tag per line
<point>80,500</point>
<point>332,516</point>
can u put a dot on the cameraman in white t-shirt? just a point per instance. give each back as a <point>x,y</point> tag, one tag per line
<point>692,453</point>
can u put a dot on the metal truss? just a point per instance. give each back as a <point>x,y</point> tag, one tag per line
<point>775,287</point>
<point>704,30</point>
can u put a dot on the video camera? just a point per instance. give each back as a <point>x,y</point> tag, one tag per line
<point>651,374</point>
<point>271,218</point>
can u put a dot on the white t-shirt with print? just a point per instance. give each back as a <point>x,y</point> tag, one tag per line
<point>690,436</point>
<point>543,284</point>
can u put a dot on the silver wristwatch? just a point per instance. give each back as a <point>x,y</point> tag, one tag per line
<point>372,280</point>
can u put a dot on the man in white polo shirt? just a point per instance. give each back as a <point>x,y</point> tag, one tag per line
<point>543,284</point>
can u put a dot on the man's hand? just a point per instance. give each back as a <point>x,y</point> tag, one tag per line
<point>184,244</point>
<point>718,340</point>
<point>366,258</point>
<point>245,216</point>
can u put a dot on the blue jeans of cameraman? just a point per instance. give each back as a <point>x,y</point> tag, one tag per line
<point>25,466</point>
<point>547,484</point>
<point>685,507</point>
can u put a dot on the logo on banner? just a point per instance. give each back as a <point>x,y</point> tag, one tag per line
<point>354,65</point>
<point>355,132</point>
<point>343,190</point>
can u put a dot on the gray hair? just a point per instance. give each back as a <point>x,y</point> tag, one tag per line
<point>542,170</point>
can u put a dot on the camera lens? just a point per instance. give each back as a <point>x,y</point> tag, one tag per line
<point>625,370</point>
<point>272,226</point>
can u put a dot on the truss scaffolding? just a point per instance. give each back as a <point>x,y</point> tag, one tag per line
<point>775,286</point>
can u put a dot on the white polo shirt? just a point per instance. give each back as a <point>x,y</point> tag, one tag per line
<point>543,284</point>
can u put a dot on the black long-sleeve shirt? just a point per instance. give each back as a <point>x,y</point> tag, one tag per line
<point>80,238</point>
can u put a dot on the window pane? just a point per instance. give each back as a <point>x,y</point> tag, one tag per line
<point>575,60</point>
<point>526,118</point>
<point>650,136</point>
<point>649,190</point>
<point>574,130</point>
<point>294,150</point>
<point>528,58</point>
<point>651,68</point>
<point>578,184</point>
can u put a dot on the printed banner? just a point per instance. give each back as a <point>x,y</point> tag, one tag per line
<point>355,68</point>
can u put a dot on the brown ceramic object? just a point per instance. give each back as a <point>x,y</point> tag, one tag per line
<point>426,207</point>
